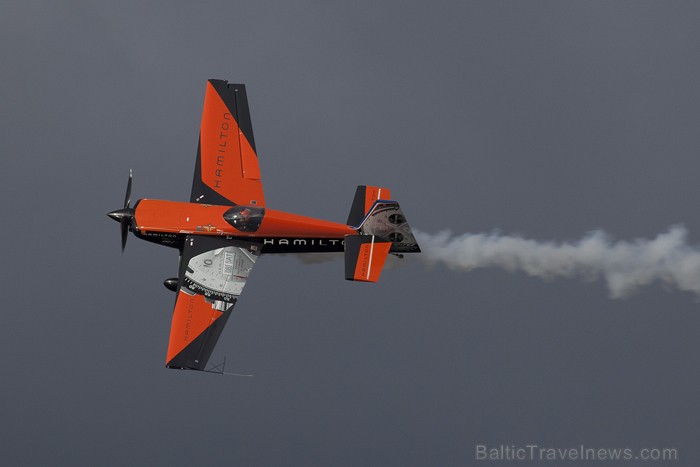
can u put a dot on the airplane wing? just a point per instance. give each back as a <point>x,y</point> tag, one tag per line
<point>227,171</point>
<point>213,272</point>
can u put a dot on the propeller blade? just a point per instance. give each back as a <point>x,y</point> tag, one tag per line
<point>127,198</point>
<point>125,231</point>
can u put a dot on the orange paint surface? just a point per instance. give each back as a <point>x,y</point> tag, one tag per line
<point>370,261</point>
<point>229,163</point>
<point>192,316</point>
<point>283,224</point>
<point>177,217</point>
<point>373,193</point>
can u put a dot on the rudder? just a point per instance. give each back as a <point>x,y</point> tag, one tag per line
<point>365,196</point>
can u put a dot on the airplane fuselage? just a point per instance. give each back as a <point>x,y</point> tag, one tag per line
<point>169,222</point>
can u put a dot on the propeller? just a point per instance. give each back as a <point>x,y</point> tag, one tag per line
<point>125,215</point>
<point>127,197</point>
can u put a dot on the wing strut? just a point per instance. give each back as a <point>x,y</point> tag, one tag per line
<point>219,370</point>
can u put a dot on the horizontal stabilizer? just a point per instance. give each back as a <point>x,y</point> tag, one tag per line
<point>387,221</point>
<point>364,257</point>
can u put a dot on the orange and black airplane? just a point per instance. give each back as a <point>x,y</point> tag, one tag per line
<point>226,225</point>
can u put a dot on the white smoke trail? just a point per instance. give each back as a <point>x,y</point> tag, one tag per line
<point>624,265</point>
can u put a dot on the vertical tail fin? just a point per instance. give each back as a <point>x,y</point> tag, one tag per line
<point>365,196</point>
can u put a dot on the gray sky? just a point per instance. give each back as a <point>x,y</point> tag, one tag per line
<point>546,119</point>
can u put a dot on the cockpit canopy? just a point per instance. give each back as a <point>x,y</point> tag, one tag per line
<point>245,218</point>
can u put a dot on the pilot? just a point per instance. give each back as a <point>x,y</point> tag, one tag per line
<point>245,218</point>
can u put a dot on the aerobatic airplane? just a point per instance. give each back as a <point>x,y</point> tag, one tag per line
<point>226,225</point>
